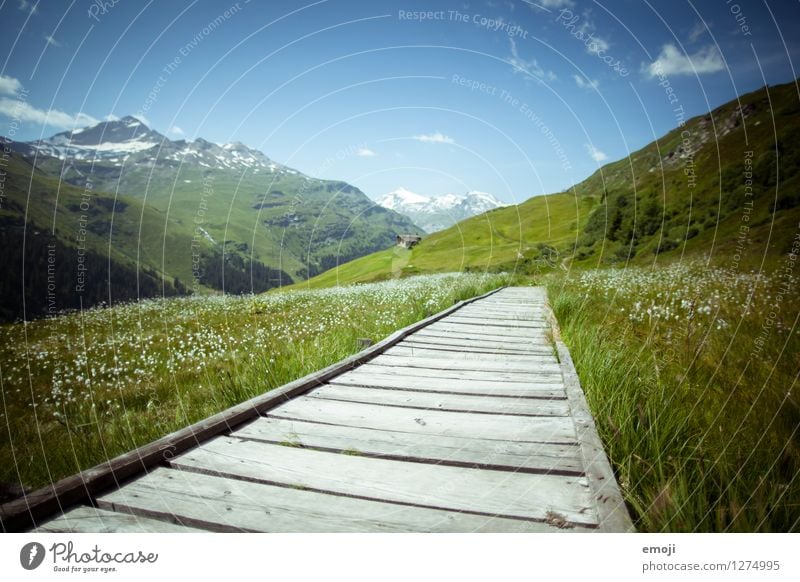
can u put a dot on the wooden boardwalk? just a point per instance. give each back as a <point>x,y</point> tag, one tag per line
<point>470,421</point>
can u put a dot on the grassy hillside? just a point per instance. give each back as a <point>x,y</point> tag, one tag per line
<point>68,237</point>
<point>280,218</point>
<point>725,184</point>
<point>529,237</point>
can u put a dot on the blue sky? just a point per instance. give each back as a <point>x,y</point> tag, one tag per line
<point>511,97</point>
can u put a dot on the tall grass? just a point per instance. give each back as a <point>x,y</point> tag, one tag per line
<point>691,373</point>
<point>84,387</point>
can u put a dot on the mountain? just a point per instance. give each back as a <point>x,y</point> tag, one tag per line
<point>437,213</point>
<point>174,216</point>
<point>724,187</point>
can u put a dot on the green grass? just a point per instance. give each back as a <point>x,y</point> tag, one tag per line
<point>79,389</point>
<point>701,427</point>
<point>517,239</point>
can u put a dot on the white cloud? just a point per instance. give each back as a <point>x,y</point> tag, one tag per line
<point>673,62</point>
<point>594,44</point>
<point>597,45</point>
<point>595,153</point>
<point>51,40</point>
<point>111,117</point>
<point>585,82</point>
<point>551,4</point>
<point>521,65</point>
<point>9,85</point>
<point>434,138</point>
<point>366,153</point>
<point>174,130</point>
<point>24,111</point>
<point>25,6</point>
<point>697,30</point>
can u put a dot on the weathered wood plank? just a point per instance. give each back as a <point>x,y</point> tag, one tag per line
<point>433,401</point>
<point>21,514</point>
<point>541,377</point>
<point>474,346</point>
<point>512,342</point>
<point>459,451</point>
<point>609,506</point>
<point>227,505</point>
<point>451,386</point>
<point>494,323</point>
<point>502,493</point>
<point>476,365</point>
<point>86,519</point>
<point>415,351</point>
<point>481,330</point>
<point>495,427</point>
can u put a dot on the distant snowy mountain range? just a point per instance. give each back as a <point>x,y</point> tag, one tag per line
<point>437,213</point>
<point>128,140</point>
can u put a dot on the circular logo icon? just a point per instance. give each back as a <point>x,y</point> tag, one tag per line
<point>31,555</point>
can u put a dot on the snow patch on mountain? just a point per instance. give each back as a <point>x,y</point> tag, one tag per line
<point>433,213</point>
<point>132,140</point>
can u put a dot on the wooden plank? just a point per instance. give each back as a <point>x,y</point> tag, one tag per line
<point>481,330</point>
<point>494,427</point>
<point>542,377</point>
<point>492,322</point>
<point>514,342</point>
<point>478,491</point>
<point>450,386</point>
<point>609,505</point>
<point>434,401</point>
<point>457,451</point>
<point>23,513</point>
<point>231,505</point>
<point>428,351</point>
<point>469,345</point>
<point>87,519</point>
<point>494,365</point>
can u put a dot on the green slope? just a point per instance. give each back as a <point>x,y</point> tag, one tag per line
<point>685,194</point>
<point>280,218</point>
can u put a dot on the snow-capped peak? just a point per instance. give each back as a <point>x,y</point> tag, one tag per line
<point>402,197</point>
<point>439,212</point>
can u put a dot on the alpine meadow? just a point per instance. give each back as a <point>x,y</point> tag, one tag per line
<point>401,266</point>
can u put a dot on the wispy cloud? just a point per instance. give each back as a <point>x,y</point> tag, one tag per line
<point>174,130</point>
<point>31,7</point>
<point>24,111</point>
<point>434,138</point>
<point>549,4</point>
<point>9,85</point>
<point>585,82</point>
<point>51,40</point>
<point>673,62</point>
<point>520,65</point>
<point>697,31</point>
<point>595,153</point>
<point>365,153</point>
